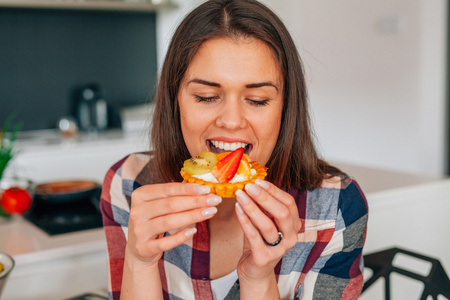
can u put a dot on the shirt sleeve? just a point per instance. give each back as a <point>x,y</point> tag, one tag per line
<point>115,211</point>
<point>338,273</point>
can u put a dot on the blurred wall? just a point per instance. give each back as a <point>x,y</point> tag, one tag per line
<point>376,75</point>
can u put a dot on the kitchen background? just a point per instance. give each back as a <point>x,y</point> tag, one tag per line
<point>377,75</point>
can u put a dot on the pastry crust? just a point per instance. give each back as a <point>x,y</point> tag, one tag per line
<point>227,189</point>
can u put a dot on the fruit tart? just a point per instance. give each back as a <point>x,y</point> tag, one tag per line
<point>224,173</point>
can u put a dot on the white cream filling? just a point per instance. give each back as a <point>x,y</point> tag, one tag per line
<point>210,178</point>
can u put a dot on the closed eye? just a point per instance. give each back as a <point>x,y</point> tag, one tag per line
<point>213,98</point>
<point>205,99</point>
<point>259,102</point>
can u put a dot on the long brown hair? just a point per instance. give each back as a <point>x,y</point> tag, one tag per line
<point>294,161</point>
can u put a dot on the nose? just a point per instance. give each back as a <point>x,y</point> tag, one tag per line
<point>231,115</point>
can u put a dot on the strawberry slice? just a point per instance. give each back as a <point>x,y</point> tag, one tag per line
<point>226,168</point>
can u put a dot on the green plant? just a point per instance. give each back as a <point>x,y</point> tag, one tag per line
<point>8,134</point>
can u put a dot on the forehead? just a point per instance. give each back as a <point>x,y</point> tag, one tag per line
<point>238,58</point>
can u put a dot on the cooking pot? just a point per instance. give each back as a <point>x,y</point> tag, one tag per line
<point>69,191</point>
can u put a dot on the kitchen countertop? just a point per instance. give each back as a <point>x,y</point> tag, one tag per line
<point>29,244</point>
<point>374,180</point>
<point>52,267</point>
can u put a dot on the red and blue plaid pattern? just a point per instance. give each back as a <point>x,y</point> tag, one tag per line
<point>326,263</point>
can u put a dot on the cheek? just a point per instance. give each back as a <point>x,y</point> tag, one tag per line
<point>273,125</point>
<point>191,121</point>
<point>185,114</point>
<point>185,122</point>
<point>193,126</point>
<point>268,131</point>
<point>189,136</point>
<point>188,128</point>
<point>270,135</point>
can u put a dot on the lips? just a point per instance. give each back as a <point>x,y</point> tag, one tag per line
<point>221,146</point>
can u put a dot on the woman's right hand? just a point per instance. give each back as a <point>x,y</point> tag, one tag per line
<point>159,208</point>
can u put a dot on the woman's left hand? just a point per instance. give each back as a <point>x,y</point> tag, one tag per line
<point>263,211</point>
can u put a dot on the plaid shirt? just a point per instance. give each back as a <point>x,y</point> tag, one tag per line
<point>326,263</point>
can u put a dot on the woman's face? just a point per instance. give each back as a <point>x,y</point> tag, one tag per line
<point>232,96</point>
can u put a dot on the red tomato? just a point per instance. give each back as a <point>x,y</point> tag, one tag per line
<point>15,200</point>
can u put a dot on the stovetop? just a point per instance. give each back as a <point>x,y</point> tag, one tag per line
<point>59,218</point>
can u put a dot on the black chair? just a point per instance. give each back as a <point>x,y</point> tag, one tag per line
<point>436,283</point>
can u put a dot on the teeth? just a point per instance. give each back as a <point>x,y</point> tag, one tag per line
<point>228,146</point>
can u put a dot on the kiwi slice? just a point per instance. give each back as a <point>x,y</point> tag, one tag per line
<point>200,164</point>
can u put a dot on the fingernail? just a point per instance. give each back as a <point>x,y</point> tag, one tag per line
<point>190,232</point>
<point>213,199</point>
<point>209,211</point>
<point>202,189</point>
<point>239,208</point>
<point>262,183</point>
<point>252,189</point>
<point>242,197</point>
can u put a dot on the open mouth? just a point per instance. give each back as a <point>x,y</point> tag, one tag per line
<point>220,147</point>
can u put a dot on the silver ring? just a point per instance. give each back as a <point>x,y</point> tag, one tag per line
<point>280,237</point>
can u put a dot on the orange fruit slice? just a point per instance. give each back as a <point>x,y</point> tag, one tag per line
<point>244,169</point>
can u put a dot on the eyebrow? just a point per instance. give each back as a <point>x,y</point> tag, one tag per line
<point>249,86</point>
<point>261,84</point>
<point>201,81</point>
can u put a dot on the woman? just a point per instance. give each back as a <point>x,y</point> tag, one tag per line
<point>232,77</point>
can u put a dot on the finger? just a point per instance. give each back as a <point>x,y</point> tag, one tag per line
<point>157,191</point>
<point>280,195</point>
<point>174,221</point>
<point>253,238</point>
<point>260,220</point>
<point>155,246</point>
<point>161,207</point>
<point>283,209</point>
